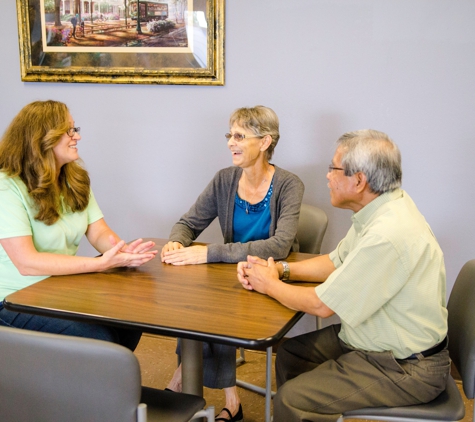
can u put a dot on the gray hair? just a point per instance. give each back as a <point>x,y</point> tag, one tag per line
<point>261,121</point>
<point>374,154</point>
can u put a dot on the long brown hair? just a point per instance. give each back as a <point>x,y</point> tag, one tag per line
<point>26,151</point>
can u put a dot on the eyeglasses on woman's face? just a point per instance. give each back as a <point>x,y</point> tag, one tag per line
<point>238,137</point>
<point>73,130</point>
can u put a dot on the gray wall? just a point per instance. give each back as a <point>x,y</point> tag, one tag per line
<point>405,67</point>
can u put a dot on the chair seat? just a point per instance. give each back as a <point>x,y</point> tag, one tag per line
<point>448,406</point>
<point>169,406</point>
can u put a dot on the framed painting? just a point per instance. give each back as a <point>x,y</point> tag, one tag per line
<point>122,41</point>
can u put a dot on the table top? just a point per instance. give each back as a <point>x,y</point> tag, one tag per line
<point>200,302</point>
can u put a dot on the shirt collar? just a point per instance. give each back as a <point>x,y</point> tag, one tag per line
<point>364,215</point>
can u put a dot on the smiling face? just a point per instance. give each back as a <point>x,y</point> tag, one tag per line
<point>250,150</point>
<point>66,150</point>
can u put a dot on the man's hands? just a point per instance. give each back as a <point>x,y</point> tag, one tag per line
<point>263,276</point>
<point>258,274</point>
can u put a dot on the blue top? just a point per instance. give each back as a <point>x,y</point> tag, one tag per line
<point>252,222</point>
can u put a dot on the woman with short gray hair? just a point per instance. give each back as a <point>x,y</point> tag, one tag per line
<point>258,207</point>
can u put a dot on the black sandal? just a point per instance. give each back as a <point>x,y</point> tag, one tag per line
<point>238,417</point>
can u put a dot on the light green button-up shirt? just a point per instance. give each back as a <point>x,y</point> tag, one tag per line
<point>389,286</point>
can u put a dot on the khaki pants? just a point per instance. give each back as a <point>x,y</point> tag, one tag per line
<point>319,377</point>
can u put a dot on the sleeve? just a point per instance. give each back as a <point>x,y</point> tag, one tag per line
<point>360,286</point>
<point>199,217</point>
<point>14,216</point>
<point>287,211</point>
<point>94,213</point>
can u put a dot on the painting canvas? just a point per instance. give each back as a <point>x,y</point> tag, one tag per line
<point>122,41</point>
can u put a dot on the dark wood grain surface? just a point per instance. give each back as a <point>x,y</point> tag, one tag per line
<point>200,302</point>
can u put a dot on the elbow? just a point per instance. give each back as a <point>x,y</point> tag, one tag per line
<point>325,313</point>
<point>25,273</point>
<point>321,310</point>
<point>26,270</point>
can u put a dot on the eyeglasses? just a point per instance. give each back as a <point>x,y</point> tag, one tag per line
<point>238,137</point>
<point>330,168</point>
<point>72,130</point>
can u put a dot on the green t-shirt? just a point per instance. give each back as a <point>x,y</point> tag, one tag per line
<point>17,218</point>
<point>389,284</point>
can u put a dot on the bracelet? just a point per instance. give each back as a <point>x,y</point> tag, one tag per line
<point>286,272</point>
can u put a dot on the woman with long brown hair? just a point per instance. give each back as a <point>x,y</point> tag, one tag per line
<point>46,206</point>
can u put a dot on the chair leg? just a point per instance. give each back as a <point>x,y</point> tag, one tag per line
<point>269,394</point>
<point>142,412</point>
<point>319,323</point>
<point>207,413</point>
<point>241,358</point>
<point>267,391</point>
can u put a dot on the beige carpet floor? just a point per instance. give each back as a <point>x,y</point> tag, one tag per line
<point>157,359</point>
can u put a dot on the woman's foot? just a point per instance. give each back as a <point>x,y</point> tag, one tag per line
<point>227,415</point>
<point>232,410</point>
<point>175,382</point>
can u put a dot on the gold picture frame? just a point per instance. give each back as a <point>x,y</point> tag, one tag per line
<point>175,42</point>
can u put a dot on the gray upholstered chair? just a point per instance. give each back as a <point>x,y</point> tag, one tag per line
<point>312,227</point>
<point>449,405</point>
<point>50,378</point>
<point>313,224</point>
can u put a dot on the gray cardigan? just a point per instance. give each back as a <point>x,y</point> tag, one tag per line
<point>217,200</point>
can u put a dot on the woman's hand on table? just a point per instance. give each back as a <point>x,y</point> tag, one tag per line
<point>170,246</point>
<point>179,255</point>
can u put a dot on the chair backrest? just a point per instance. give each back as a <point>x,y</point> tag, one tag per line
<point>48,377</point>
<point>461,330</point>
<point>312,226</point>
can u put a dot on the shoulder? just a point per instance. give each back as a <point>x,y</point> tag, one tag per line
<point>282,176</point>
<point>4,177</point>
<point>228,174</point>
<point>229,171</point>
<point>8,182</point>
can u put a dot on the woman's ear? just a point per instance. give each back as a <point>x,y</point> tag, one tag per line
<point>266,141</point>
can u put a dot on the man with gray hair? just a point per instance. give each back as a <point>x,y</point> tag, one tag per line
<point>386,282</point>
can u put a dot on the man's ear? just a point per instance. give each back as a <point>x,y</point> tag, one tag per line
<point>361,183</point>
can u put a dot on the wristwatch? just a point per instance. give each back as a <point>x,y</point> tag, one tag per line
<point>286,272</point>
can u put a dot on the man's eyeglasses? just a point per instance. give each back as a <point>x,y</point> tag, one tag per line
<point>238,137</point>
<point>331,168</point>
<point>72,130</point>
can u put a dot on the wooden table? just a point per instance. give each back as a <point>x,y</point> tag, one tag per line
<point>195,303</point>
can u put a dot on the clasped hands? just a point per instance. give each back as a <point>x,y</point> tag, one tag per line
<point>257,273</point>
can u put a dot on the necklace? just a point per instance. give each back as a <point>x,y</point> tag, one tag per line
<point>248,203</point>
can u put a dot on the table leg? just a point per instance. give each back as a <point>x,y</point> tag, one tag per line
<point>192,366</point>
